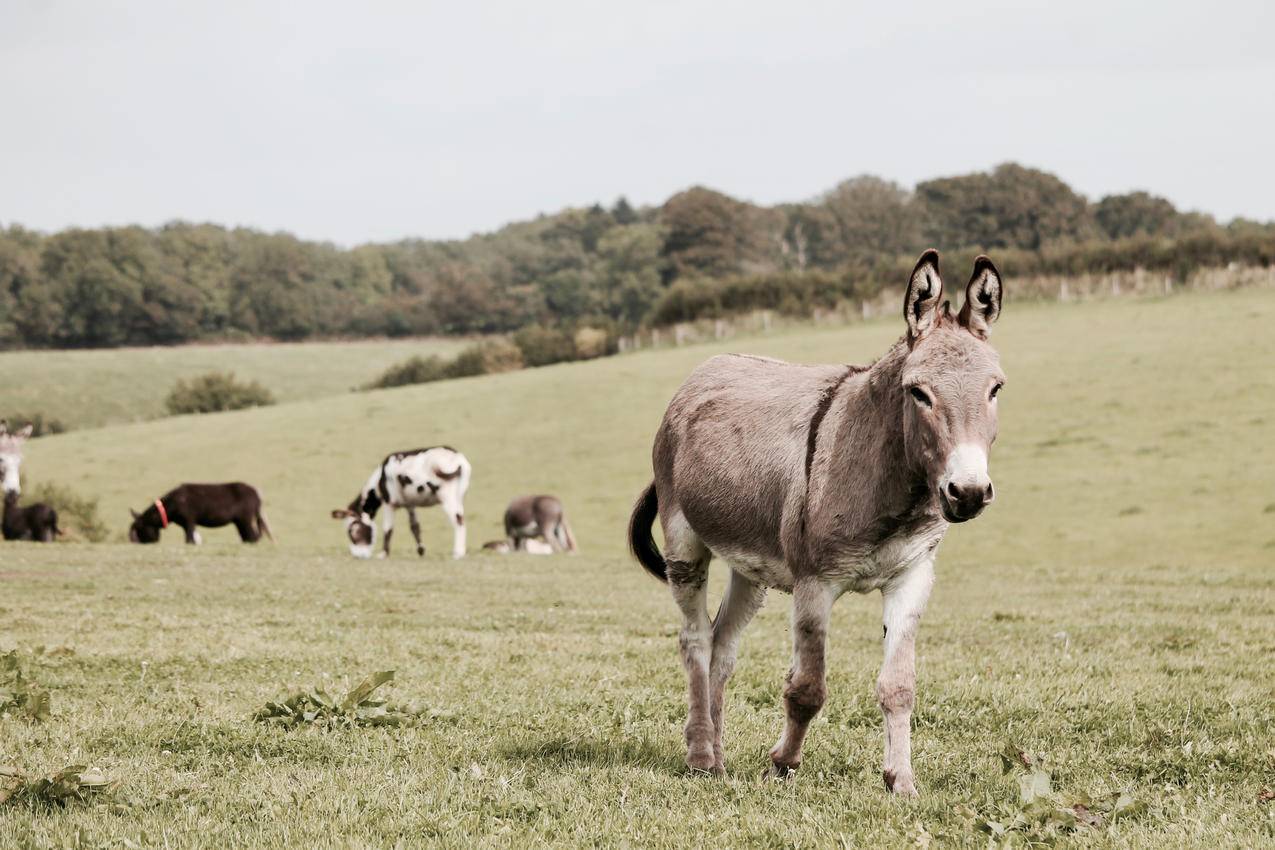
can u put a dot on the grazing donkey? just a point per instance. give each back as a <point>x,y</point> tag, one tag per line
<point>209,505</point>
<point>38,522</point>
<point>818,480</point>
<point>420,478</point>
<point>531,517</point>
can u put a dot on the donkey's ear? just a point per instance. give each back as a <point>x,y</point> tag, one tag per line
<point>135,514</point>
<point>4,427</point>
<point>982,298</point>
<point>24,433</point>
<point>925,288</point>
<point>341,513</point>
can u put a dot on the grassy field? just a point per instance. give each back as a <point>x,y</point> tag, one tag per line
<point>1112,613</point>
<point>86,389</point>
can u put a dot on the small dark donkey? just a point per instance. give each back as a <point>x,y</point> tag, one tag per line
<point>209,505</point>
<point>818,480</point>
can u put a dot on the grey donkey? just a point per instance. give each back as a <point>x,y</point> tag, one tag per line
<point>530,517</point>
<point>818,480</point>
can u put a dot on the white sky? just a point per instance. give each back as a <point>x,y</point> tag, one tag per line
<point>375,121</point>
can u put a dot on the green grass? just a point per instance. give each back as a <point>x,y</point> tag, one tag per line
<point>1113,611</point>
<point>86,389</point>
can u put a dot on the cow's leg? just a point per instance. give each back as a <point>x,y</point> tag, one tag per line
<point>455,510</point>
<point>804,689</point>
<point>903,602</point>
<point>387,529</point>
<point>416,530</point>
<point>686,561</point>
<point>737,608</point>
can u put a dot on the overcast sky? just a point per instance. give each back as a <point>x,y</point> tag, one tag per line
<point>374,121</point>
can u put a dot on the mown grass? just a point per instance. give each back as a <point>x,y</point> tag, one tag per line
<point>86,389</point>
<point>1114,611</point>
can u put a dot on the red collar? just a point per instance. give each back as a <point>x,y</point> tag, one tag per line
<point>163,514</point>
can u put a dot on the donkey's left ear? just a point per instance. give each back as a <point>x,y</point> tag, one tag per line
<point>25,432</point>
<point>982,298</point>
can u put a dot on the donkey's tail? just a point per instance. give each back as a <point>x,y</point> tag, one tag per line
<point>641,541</point>
<point>263,525</point>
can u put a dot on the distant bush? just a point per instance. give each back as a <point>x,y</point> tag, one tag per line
<point>77,515</point>
<point>593,342</point>
<point>483,358</point>
<point>541,346</point>
<point>216,391</point>
<point>486,358</point>
<point>40,426</point>
<point>413,370</point>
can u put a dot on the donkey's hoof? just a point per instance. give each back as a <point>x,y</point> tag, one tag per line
<point>700,760</point>
<point>382,555</point>
<point>779,772</point>
<point>899,784</point>
<point>420,550</point>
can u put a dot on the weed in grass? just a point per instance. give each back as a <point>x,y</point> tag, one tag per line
<point>356,708</point>
<point>18,694</point>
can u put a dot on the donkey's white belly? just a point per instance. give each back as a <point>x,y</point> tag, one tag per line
<point>759,569</point>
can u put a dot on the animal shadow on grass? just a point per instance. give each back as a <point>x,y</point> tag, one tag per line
<point>561,751</point>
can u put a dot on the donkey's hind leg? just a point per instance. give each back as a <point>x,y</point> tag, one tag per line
<point>686,560</point>
<point>742,600</point>
<point>248,532</point>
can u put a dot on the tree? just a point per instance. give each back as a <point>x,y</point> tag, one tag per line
<point>1011,207</point>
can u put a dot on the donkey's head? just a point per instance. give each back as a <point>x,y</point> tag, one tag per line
<point>359,527</point>
<point>951,377</point>
<point>11,456</point>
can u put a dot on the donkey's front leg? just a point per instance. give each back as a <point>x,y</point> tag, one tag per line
<point>804,689</point>
<point>904,600</point>
<point>742,600</point>
<point>387,527</point>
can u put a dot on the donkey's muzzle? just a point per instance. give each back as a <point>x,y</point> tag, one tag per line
<point>963,502</point>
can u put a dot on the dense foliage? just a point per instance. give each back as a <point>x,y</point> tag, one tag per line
<point>701,253</point>
<point>214,392</point>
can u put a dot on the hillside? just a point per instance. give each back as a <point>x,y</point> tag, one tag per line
<point>1118,414</point>
<point>85,389</point>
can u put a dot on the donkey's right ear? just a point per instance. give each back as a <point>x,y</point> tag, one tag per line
<point>342,513</point>
<point>925,289</point>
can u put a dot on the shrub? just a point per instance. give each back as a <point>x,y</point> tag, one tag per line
<point>77,515</point>
<point>541,346</point>
<point>592,342</point>
<point>214,392</point>
<point>40,426</point>
<point>486,358</point>
<point>413,370</point>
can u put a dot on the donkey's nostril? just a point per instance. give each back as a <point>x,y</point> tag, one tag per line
<point>953,492</point>
<point>989,493</point>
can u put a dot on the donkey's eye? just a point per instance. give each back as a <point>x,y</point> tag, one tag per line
<point>996,389</point>
<point>921,397</point>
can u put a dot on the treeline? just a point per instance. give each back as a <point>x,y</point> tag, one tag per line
<point>607,269</point>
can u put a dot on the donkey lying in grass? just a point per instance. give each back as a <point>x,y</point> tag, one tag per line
<point>37,522</point>
<point>530,517</point>
<point>818,480</point>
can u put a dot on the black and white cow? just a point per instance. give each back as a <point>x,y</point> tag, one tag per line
<point>414,479</point>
